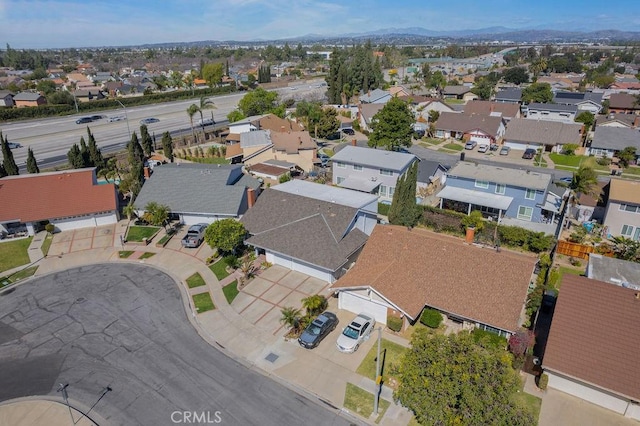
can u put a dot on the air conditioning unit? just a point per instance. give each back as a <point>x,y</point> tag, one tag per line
<point>373,178</point>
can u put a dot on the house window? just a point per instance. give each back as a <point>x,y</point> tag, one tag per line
<point>385,172</point>
<point>340,165</point>
<point>500,188</point>
<point>482,184</point>
<point>530,194</point>
<point>628,208</point>
<point>339,180</point>
<point>636,236</point>
<point>525,213</point>
<point>392,189</point>
<point>356,167</point>
<point>627,230</point>
<point>382,191</point>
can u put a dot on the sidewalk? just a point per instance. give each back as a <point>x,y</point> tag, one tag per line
<point>222,327</point>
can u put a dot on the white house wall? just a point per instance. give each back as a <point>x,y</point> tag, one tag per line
<point>587,393</point>
<point>189,219</point>
<point>85,221</point>
<point>519,146</point>
<point>297,265</point>
<point>359,302</point>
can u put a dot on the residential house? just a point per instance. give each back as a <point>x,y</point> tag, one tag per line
<point>271,171</point>
<point>584,101</point>
<point>502,193</point>
<point>399,91</point>
<point>315,229</point>
<point>264,122</point>
<point>482,129</point>
<point>618,120</point>
<point>423,105</point>
<point>375,96</point>
<point>625,85</point>
<point>366,112</point>
<point>370,170</point>
<point>6,99</point>
<point>618,272</point>
<point>29,99</point>
<point>622,215</point>
<point>624,103</point>
<point>591,207</point>
<point>292,147</point>
<point>68,199</point>
<point>550,112</point>
<point>498,109</point>
<point>216,191</point>
<point>455,92</point>
<point>608,141</point>
<point>592,349</point>
<point>509,95</point>
<point>431,176</point>
<point>549,135</point>
<point>561,81</point>
<point>86,95</point>
<point>473,287</point>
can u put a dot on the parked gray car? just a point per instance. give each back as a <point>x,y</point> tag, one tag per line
<point>195,235</point>
<point>318,330</point>
<point>355,333</point>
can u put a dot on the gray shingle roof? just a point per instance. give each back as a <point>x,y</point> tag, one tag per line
<point>537,106</point>
<point>501,174</point>
<point>255,138</point>
<point>27,96</point>
<point>543,132</point>
<point>617,138</point>
<point>573,98</point>
<point>467,122</point>
<point>456,90</point>
<point>513,94</point>
<point>376,158</point>
<point>427,169</point>
<point>197,188</point>
<point>303,228</point>
<point>375,95</point>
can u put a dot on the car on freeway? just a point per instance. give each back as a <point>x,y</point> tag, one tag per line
<point>206,122</point>
<point>149,120</point>
<point>84,120</point>
<point>505,150</point>
<point>116,118</point>
<point>97,117</point>
<point>194,236</point>
<point>483,148</point>
<point>14,145</point>
<point>470,145</point>
<point>318,330</point>
<point>349,132</point>
<point>529,153</point>
<point>358,331</point>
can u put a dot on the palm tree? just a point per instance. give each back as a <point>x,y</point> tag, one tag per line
<point>585,181</point>
<point>314,304</point>
<point>110,170</point>
<point>291,317</point>
<point>129,211</point>
<point>205,103</point>
<point>191,111</point>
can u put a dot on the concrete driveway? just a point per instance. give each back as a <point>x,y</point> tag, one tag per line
<point>124,326</point>
<point>260,301</point>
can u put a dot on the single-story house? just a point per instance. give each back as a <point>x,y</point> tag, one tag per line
<point>608,141</point>
<point>550,112</point>
<point>618,120</point>
<point>471,286</point>
<point>458,92</point>
<point>293,147</point>
<point>366,113</point>
<point>474,127</point>
<point>509,95</point>
<point>584,101</point>
<point>264,122</point>
<point>422,105</point>
<point>68,199</point>
<point>375,96</point>
<point>315,229</point>
<point>198,193</point>
<point>6,99</point>
<point>272,170</point>
<point>29,99</point>
<point>592,349</point>
<point>550,135</point>
<point>624,103</point>
<point>499,109</point>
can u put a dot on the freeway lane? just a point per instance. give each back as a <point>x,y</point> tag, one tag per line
<point>51,138</point>
<point>125,326</point>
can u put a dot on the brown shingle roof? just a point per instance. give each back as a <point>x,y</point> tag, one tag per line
<point>487,107</point>
<point>233,150</point>
<point>43,196</point>
<point>414,268</point>
<point>543,132</point>
<point>466,123</point>
<point>269,169</point>
<point>595,335</point>
<point>277,124</point>
<point>623,101</point>
<point>624,190</point>
<point>292,142</point>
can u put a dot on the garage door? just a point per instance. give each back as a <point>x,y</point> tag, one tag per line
<point>519,146</point>
<point>298,266</point>
<point>481,139</point>
<point>192,220</point>
<point>356,304</point>
<point>66,225</point>
<point>587,393</point>
<point>106,219</point>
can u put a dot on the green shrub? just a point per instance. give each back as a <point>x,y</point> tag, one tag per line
<point>603,161</point>
<point>394,323</point>
<point>488,339</point>
<point>431,318</point>
<point>49,227</point>
<point>232,261</point>
<point>383,209</point>
<point>543,381</point>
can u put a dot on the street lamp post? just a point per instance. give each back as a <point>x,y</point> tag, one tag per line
<point>126,117</point>
<point>378,376</point>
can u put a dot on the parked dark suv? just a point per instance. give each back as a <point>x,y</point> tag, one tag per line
<point>529,153</point>
<point>84,120</point>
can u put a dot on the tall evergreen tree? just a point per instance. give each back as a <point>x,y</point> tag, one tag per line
<point>3,172</point>
<point>146,141</point>
<point>75,157</point>
<point>32,165</point>
<point>404,210</point>
<point>136,154</point>
<point>84,153</point>
<point>95,155</point>
<point>10,166</point>
<point>167,145</point>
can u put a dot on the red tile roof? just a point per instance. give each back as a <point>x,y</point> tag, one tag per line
<point>595,335</point>
<point>414,268</point>
<point>43,196</point>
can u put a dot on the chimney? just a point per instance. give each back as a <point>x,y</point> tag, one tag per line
<point>251,197</point>
<point>147,173</point>
<point>471,232</point>
<point>354,142</point>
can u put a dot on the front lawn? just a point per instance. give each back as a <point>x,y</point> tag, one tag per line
<point>359,401</point>
<point>125,253</point>
<point>453,147</point>
<point>14,253</point>
<point>529,402</point>
<point>195,280</point>
<point>138,233</point>
<point>219,269</point>
<point>431,141</point>
<point>203,302</point>
<point>146,255</point>
<point>633,170</point>
<point>566,160</point>
<point>46,244</point>
<point>390,353</point>
<point>230,291</point>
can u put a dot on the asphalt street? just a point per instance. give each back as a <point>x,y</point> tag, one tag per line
<point>124,326</point>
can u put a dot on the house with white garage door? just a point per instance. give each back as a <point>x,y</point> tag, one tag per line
<point>480,128</point>
<point>199,193</point>
<point>315,229</point>
<point>592,349</point>
<point>401,271</point>
<point>68,199</point>
<point>551,136</point>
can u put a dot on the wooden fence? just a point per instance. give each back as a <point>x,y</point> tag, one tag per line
<point>574,249</point>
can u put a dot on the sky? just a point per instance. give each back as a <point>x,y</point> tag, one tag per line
<point>95,23</point>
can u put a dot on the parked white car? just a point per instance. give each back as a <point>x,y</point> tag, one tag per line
<point>358,331</point>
